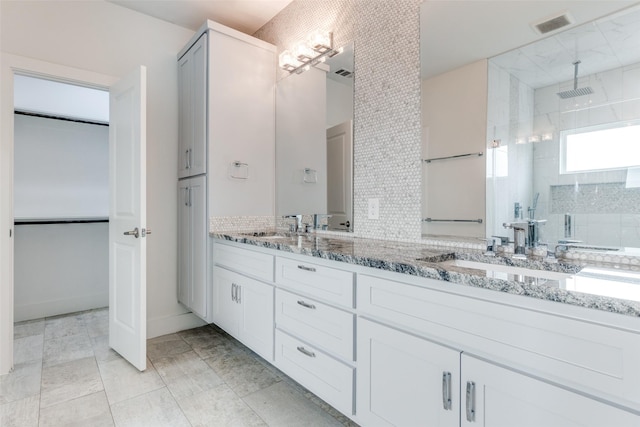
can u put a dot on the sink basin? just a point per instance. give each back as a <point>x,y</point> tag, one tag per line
<point>500,270</point>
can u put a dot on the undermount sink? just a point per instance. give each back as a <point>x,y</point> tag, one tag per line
<point>508,269</point>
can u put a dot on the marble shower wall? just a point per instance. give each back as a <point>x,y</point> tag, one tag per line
<point>387,131</point>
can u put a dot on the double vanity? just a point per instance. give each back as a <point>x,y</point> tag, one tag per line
<point>393,333</point>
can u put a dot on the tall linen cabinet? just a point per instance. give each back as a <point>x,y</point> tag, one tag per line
<point>226,146</point>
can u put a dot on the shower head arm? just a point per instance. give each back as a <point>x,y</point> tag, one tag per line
<point>575,75</point>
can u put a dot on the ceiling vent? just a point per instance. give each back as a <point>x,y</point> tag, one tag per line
<point>553,23</point>
<point>344,73</point>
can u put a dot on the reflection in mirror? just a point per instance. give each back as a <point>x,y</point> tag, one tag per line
<point>314,142</point>
<point>534,172</point>
<point>564,125</point>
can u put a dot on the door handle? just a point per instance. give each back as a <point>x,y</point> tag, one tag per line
<point>135,232</point>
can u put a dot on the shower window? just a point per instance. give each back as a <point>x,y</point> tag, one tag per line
<point>602,147</point>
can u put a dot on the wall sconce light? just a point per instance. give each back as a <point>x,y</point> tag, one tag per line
<point>310,52</point>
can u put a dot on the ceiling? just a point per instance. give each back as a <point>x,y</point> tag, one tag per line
<point>243,15</point>
<point>458,32</point>
<point>605,44</point>
<point>452,32</point>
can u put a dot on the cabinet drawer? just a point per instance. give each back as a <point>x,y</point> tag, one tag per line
<point>584,355</point>
<point>319,281</point>
<point>328,378</point>
<point>320,324</point>
<point>256,264</point>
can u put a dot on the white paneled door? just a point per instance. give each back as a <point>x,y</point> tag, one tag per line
<point>127,218</point>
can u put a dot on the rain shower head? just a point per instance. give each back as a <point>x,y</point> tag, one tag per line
<point>575,91</point>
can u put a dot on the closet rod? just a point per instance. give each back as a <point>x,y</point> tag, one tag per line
<point>53,117</point>
<point>59,221</point>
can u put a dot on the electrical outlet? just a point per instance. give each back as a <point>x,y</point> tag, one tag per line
<point>374,208</point>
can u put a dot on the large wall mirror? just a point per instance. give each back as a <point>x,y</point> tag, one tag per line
<point>556,149</point>
<point>314,141</point>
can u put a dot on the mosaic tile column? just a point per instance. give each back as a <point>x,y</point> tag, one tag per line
<point>387,113</point>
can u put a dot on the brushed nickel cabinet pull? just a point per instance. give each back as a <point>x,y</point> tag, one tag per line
<point>305,268</point>
<point>446,390</point>
<point>471,401</point>
<point>306,352</point>
<point>306,305</point>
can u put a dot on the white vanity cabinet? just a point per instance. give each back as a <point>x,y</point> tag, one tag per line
<point>226,83</point>
<point>243,307</point>
<point>390,349</point>
<point>493,396</point>
<point>192,110</point>
<point>243,296</point>
<point>315,327</point>
<point>404,380</point>
<point>192,247</point>
<point>559,367</point>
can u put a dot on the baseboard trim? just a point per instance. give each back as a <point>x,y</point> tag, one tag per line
<point>168,325</point>
<point>68,304</point>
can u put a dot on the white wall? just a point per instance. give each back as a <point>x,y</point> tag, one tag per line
<point>105,38</point>
<point>454,117</point>
<point>60,169</point>
<point>43,96</point>
<point>60,268</point>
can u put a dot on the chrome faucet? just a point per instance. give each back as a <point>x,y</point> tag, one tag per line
<point>297,225</point>
<point>519,236</point>
<point>317,218</point>
<point>526,235</point>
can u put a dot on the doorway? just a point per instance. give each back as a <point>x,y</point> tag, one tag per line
<point>127,201</point>
<point>61,198</point>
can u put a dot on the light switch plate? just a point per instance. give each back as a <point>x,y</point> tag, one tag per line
<point>374,208</point>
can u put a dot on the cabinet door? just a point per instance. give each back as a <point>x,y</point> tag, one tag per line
<point>192,119</point>
<point>404,380</point>
<point>185,114</point>
<point>498,397</point>
<point>198,297</point>
<point>256,321</point>
<point>225,309</point>
<point>184,242</point>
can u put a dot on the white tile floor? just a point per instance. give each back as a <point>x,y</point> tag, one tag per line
<point>66,375</point>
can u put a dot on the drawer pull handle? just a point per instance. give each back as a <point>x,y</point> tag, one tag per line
<point>307,305</point>
<point>446,390</point>
<point>305,268</point>
<point>471,401</point>
<point>306,352</point>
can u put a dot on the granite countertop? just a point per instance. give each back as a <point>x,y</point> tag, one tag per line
<point>439,263</point>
